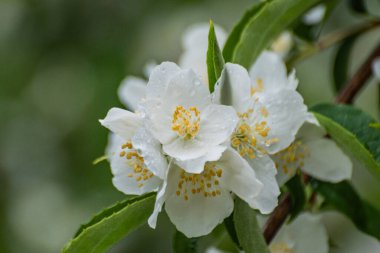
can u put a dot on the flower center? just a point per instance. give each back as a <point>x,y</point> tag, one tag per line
<point>136,162</point>
<point>252,131</point>
<point>292,158</point>
<point>186,122</point>
<point>280,248</point>
<point>205,183</point>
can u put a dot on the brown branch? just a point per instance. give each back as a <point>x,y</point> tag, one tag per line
<point>354,85</point>
<point>357,82</point>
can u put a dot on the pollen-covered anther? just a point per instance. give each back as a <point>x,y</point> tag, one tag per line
<point>186,122</point>
<point>140,172</point>
<point>258,88</point>
<point>206,183</point>
<point>291,159</point>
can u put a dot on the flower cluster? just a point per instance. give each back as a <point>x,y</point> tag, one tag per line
<point>199,150</point>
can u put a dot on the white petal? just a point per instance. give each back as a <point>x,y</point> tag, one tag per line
<point>266,172</point>
<point>151,150</point>
<point>198,215</point>
<point>196,166</point>
<point>195,59</point>
<point>121,122</point>
<point>315,15</point>
<point>271,70</point>
<point>239,177</point>
<point>159,79</point>
<point>281,176</point>
<point>305,234</point>
<point>326,161</point>
<point>345,237</point>
<point>196,36</point>
<point>376,68</point>
<point>217,122</point>
<point>292,80</point>
<point>185,149</point>
<point>125,180</point>
<point>233,87</point>
<point>131,91</point>
<point>310,131</point>
<point>149,67</point>
<point>160,200</point>
<point>286,114</point>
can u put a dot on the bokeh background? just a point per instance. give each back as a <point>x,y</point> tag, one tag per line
<point>61,62</point>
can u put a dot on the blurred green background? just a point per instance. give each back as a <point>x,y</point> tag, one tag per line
<point>61,62</point>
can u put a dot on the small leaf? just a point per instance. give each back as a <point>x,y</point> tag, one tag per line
<point>215,60</point>
<point>234,36</point>
<point>341,63</point>
<point>351,128</point>
<point>298,195</point>
<point>230,227</point>
<point>182,244</point>
<point>343,197</point>
<point>266,26</point>
<point>111,225</point>
<point>247,229</point>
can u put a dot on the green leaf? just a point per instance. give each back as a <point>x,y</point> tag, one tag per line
<point>182,244</point>
<point>343,197</point>
<point>247,229</point>
<point>230,227</point>
<point>111,225</point>
<point>234,36</point>
<point>266,26</point>
<point>342,63</point>
<point>215,60</point>
<point>351,128</point>
<point>298,195</point>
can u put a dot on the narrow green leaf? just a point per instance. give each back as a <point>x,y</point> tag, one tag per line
<point>298,195</point>
<point>342,63</point>
<point>351,128</point>
<point>111,225</point>
<point>234,36</point>
<point>343,197</point>
<point>215,60</point>
<point>182,244</point>
<point>265,26</point>
<point>247,229</point>
<point>230,227</point>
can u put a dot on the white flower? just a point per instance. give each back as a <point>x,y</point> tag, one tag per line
<point>376,68</point>
<point>283,44</point>
<point>195,42</point>
<point>315,155</point>
<point>197,203</point>
<point>181,116</point>
<point>270,113</point>
<point>306,234</point>
<point>315,15</point>
<point>135,156</point>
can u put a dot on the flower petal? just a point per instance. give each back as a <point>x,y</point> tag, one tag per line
<point>304,234</point>
<point>239,177</point>
<point>159,79</point>
<point>326,161</point>
<point>266,172</point>
<point>121,122</point>
<point>233,87</point>
<point>196,36</point>
<point>376,68</point>
<point>217,122</point>
<point>151,151</point>
<point>160,200</point>
<point>131,91</point>
<point>286,114</point>
<point>195,59</point>
<point>198,215</point>
<point>271,70</point>
<point>185,149</point>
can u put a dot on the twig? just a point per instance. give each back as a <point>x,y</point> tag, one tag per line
<point>354,85</point>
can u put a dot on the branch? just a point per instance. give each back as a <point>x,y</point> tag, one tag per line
<point>279,215</point>
<point>357,82</point>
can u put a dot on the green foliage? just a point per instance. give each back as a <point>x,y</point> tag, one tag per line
<point>358,6</point>
<point>247,229</point>
<point>298,195</point>
<point>265,26</point>
<point>111,225</point>
<point>343,197</point>
<point>230,227</point>
<point>182,244</point>
<point>341,63</point>
<point>215,60</point>
<point>351,128</point>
